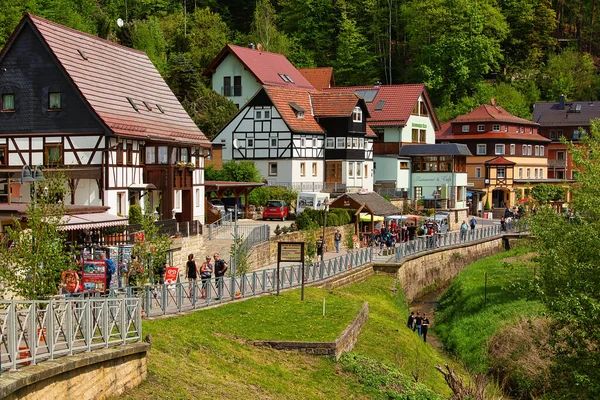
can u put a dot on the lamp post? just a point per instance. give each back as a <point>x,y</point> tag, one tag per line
<point>325,208</point>
<point>435,194</point>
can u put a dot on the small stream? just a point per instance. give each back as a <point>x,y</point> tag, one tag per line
<point>427,304</point>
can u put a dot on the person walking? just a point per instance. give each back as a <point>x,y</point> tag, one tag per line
<point>110,270</point>
<point>473,223</point>
<point>337,239</point>
<point>205,274</point>
<point>411,320</point>
<point>320,247</point>
<point>424,327</point>
<point>418,323</point>
<point>463,231</point>
<point>220,268</point>
<point>503,224</point>
<point>191,271</point>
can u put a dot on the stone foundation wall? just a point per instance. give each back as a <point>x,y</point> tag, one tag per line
<point>344,343</point>
<point>351,277</point>
<point>265,253</point>
<point>95,375</point>
<point>189,245</point>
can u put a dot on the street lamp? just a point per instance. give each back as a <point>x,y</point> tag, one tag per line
<point>325,208</point>
<point>436,193</point>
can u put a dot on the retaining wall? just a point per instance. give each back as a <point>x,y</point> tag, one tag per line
<point>98,374</point>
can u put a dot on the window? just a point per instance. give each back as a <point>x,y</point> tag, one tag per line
<point>358,169</point>
<point>273,142</point>
<point>178,199</point>
<point>524,150</point>
<point>185,155</point>
<point>418,192</point>
<point>329,143</point>
<point>541,173</point>
<point>348,143</point>
<point>423,112</point>
<point>480,128</point>
<point>520,173</point>
<point>505,128</point>
<point>302,142</point>
<point>499,150</point>
<point>121,203</point>
<point>237,85</point>
<point>403,165</point>
<point>522,130</point>
<point>537,151</point>
<point>227,86</point>
<point>512,149</point>
<point>272,169</point>
<point>535,173</point>
<point>141,155</point>
<point>415,135</point>
<point>560,155</point>
<point>361,143</point>
<point>262,115</point>
<point>422,134</point>
<point>528,173</point>
<point>478,172</point>
<point>130,154</point>
<point>54,101</point>
<point>496,128</point>
<point>314,169</point>
<point>553,135</point>
<point>541,151</point>
<point>529,150</point>
<point>163,155</point>
<point>267,114</point>
<point>354,143</point>
<point>52,154</point>
<point>560,174</point>
<point>340,142</point>
<point>8,102</point>
<point>357,114</point>
<point>302,169</point>
<point>351,169</point>
<point>465,128</point>
<point>3,155</point>
<point>415,110</point>
<point>366,175</point>
<point>150,155</point>
<point>481,149</point>
<point>501,173</point>
<point>531,131</point>
<point>249,143</point>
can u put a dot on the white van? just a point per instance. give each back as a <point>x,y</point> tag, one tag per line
<point>314,200</point>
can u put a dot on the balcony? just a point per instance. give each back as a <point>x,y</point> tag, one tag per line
<point>557,163</point>
<point>231,91</point>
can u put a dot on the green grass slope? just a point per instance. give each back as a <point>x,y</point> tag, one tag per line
<point>206,354</point>
<point>465,321</point>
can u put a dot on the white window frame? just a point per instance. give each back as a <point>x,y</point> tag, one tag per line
<point>249,143</point>
<point>513,149</point>
<point>480,128</point>
<point>302,169</point>
<point>358,170</point>
<point>340,143</point>
<point>520,173</point>
<point>262,114</point>
<point>315,169</point>
<point>541,173</point>
<point>499,150</point>
<point>481,146</point>
<point>529,150</point>
<point>465,128</point>
<point>524,150</point>
<point>198,198</point>
<point>535,173</point>
<point>537,150</point>
<point>496,128</point>
<point>351,169</point>
<point>541,151</point>
<point>355,143</point>
<point>330,143</point>
<point>349,143</point>
<point>302,142</point>
<point>501,175</point>
<point>361,143</point>
<point>560,155</point>
<point>528,173</point>
<point>357,114</point>
<point>273,169</point>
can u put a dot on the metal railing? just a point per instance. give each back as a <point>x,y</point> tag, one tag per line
<point>170,299</point>
<point>220,227</point>
<point>168,227</point>
<point>38,330</point>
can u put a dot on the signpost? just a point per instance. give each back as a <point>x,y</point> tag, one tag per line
<point>290,252</point>
<point>171,275</point>
<point>94,276</point>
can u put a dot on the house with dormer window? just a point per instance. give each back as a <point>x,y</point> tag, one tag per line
<point>238,73</point>
<point>102,113</point>
<point>303,139</point>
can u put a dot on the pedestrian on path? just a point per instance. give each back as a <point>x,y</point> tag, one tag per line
<point>411,320</point>
<point>418,323</point>
<point>337,239</point>
<point>320,247</point>
<point>205,274</point>
<point>191,272</point>
<point>110,270</point>
<point>424,327</point>
<point>473,223</point>
<point>220,268</point>
<point>463,231</point>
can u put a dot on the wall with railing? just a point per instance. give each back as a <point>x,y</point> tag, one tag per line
<point>38,330</point>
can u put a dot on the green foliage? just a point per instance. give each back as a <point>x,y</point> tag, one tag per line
<point>487,204</point>
<point>343,215</point>
<point>264,29</point>
<point>148,37</point>
<point>241,171</point>
<point>570,73</point>
<point>208,34</point>
<point>545,193</point>
<point>305,221</point>
<point>33,264</point>
<point>239,255</point>
<point>261,195</point>
<point>135,214</point>
<point>569,275</point>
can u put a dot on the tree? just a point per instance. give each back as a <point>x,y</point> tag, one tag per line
<point>545,193</point>
<point>241,171</point>
<point>570,73</point>
<point>354,63</point>
<point>264,29</point>
<point>148,37</point>
<point>34,254</point>
<point>208,35</point>
<point>569,276</point>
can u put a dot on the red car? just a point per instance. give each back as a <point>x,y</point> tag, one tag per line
<point>276,209</point>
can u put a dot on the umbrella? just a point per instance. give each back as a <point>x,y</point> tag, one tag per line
<point>527,200</point>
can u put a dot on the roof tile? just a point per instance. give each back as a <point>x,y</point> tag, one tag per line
<point>282,97</point>
<point>320,78</point>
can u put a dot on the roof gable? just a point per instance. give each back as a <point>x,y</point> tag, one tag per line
<point>499,161</point>
<point>268,68</point>
<point>489,113</point>
<point>287,101</point>
<point>110,75</point>
<point>321,78</point>
<point>391,105</point>
<point>337,104</point>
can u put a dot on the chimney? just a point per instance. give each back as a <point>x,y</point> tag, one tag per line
<point>493,101</point>
<point>561,102</point>
<point>251,46</point>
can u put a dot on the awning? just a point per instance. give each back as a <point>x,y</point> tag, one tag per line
<point>366,217</point>
<point>91,221</point>
<point>142,186</point>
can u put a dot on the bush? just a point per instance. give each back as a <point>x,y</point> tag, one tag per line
<point>344,217</point>
<point>135,214</point>
<point>261,195</point>
<point>305,222</point>
<point>332,219</point>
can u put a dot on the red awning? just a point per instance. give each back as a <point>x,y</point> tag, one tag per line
<point>91,221</point>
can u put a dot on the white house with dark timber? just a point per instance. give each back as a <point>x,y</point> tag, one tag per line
<point>303,139</point>
<point>102,113</point>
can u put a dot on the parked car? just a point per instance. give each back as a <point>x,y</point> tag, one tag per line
<point>276,209</point>
<point>230,206</point>
<point>218,204</point>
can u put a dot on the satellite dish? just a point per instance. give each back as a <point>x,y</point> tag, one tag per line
<point>236,144</point>
<point>120,22</point>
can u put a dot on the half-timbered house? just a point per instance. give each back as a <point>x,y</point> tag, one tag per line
<point>101,112</point>
<point>303,139</point>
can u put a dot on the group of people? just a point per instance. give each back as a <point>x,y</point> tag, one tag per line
<point>419,323</point>
<point>464,228</point>
<point>205,271</point>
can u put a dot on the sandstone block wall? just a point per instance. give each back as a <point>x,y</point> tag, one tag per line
<point>95,375</point>
<point>190,245</point>
<point>346,341</point>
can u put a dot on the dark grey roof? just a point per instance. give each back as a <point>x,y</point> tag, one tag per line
<point>443,149</point>
<point>379,205</point>
<point>577,113</point>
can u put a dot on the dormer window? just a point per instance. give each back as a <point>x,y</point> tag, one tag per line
<point>8,102</point>
<point>299,111</point>
<point>357,114</point>
<point>496,128</point>
<point>465,128</point>
<point>54,103</point>
<point>480,128</point>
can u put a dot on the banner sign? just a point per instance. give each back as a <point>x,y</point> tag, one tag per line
<point>290,251</point>
<point>94,276</point>
<point>171,275</point>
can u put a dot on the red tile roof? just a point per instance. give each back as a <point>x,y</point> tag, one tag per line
<point>489,113</point>
<point>282,97</point>
<point>500,161</point>
<point>446,134</point>
<point>334,104</point>
<point>399,103</point>
<point>320,78</point>
<point>110,75</point>
<point>265,66</point>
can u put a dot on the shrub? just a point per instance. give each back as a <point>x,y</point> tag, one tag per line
<point>332,219</point>
<point>135,214</point>
<point>343,216</point>
<point>305,222</point>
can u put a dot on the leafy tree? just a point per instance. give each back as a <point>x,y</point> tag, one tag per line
<point>208,34</point>
<point>572,74</point>
<point>264,29</point>
<point>148,37</point>
<point>545,193</point>
<point>33,262</point>
<point>241,171</point>
<point>209,110</point>
<point>261,195</point>
<point>239,255</point>
<point>569,277</point>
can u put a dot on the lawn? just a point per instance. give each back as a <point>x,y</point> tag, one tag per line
<point>466,319</point>
<point>206,354</point>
